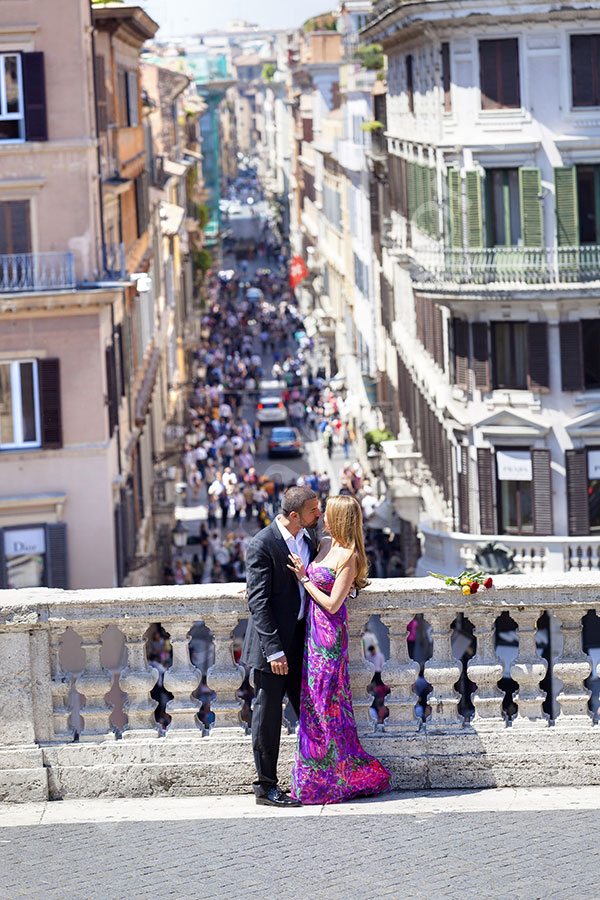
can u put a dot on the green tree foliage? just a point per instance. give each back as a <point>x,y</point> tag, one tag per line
<point>370,56</point>
<point>375,437</point>
<point>202,262</point>
<point>268,71</point>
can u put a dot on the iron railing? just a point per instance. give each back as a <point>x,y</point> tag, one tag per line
<point>36,271</point>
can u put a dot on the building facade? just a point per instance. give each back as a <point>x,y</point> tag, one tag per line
<point>490,274</point>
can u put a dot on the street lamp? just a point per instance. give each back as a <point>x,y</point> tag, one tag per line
<point>180,535</point>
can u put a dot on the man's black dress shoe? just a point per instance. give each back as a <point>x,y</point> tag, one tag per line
<point>276,797</point>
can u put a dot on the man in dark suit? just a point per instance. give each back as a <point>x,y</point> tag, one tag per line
<point>274,641</point>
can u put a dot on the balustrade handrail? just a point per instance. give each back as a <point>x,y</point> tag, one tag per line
<point>506,266</point>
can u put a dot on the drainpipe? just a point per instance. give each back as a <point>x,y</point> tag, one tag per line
<point>98,152</point>
<point>118,389</point>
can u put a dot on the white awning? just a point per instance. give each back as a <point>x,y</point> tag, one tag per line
<point>171,218</point>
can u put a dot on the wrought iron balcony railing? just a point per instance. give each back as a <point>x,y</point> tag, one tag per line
<point>36,271</point>
<point>500,267</point>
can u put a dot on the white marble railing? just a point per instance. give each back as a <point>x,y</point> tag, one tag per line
<point>36,689</point>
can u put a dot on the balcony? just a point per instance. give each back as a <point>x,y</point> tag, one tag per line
<point>351,156</point>
<point>453,551</point>
<point>500,268</point>
<point>90,730</point>
<point>36,272</point>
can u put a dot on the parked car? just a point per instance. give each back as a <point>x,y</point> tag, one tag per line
<point>285,441</point>
<point>270,410</point>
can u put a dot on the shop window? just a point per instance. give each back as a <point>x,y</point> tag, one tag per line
<point>515,501</point>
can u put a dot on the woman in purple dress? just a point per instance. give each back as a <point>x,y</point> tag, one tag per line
<point>330,764</point>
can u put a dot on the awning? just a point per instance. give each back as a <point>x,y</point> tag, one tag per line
<point>171,218</point>
<point>174,168</point>
<point>193,153</point>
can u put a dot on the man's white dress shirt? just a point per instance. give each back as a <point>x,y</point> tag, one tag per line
<point>298,546</point>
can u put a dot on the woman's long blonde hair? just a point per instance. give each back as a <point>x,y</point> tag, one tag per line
<point>344,518</point>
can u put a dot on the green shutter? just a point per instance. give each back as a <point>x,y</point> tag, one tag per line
<point>565,204</point>
<point>433,204</point>
<point>420,213</point>
<point>530,190</point>
<point>411,185</point>
<point>474,210</point>
<point>455,207</point>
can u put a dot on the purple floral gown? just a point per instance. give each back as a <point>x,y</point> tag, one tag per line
<point>330,765</point>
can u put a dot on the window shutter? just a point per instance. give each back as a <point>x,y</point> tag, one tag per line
<point>481,355</point>
<point>34,96</point>
<point>485,470</point>
<point>474,209</point>
<point>461,353</point>
<point>433,203</point>
<point>15,231</point>
<point>463,491</point>
<point>3,578</point>
<point>508,50</point>
<point>530,190</point>
<point>542,492</point>
<point>411,188</point>
<point>538,364</point>
<point>111,389</point>
<point>571,356</point>
<point>488,75</point>
<point>57,569</point>
<point>120,557</point>
<point>577,495</point>
<point>403,210</point>
<point>565,205</point>
<point>133,115</point>
<point>456,208</point>
<point>438,336</point>
<point>50,406</point>
<point>101,102</point>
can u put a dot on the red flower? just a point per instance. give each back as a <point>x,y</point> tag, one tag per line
<point>474,587</point>
<point>488,583</point>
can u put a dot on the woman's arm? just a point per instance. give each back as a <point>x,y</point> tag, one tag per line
<point>344,579</point>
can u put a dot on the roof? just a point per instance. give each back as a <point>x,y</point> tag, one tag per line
<point>132,16</point>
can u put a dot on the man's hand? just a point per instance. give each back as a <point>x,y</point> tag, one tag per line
<point>280,666</point>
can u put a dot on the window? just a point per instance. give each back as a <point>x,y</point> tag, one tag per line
<point>509,346</point>
<point>590,339</point>
<point>585,73</point>
<point>503,207</point>
<point>409,83</point>
<point>446,76</point>
<point>34,556</point>
<point>12,108</point>
<point>593,489</point>
<point>19,405</point>
<point>588,203</point>
<point>514,473</point>
<point>499,74</point>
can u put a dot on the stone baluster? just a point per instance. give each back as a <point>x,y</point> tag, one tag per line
<point>399,673</point>
<point>61,687</point>
<point>181,679</point>
<point>225,675</point>
<point>485,670</point>
<point>360,670</point>
<point>442,672</point>
<point>527,670</point>
<point>572,667</point>
<point>137,680</point>
<point>94,683</point>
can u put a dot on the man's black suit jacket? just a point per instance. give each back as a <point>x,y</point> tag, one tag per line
<point>273,597</point>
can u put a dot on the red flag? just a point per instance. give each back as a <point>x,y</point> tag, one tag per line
<point>298,271</point>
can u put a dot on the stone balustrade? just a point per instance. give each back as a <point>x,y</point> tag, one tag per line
<point>466,734</point>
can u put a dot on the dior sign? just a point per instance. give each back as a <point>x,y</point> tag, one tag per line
<point>21,541</point>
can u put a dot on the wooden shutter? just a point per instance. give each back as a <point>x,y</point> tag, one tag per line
<point>133,110</point>
<point>15,227</point>
<point>455,208</point>
<point>411,188</point>
<point>403,189</point>
<point>438,336</point>
<point>56,556</point>
<point>485,471</point>
<point>433,203</point>
<point>508,51</point>
<point>583,81</point>
<point>142,202</point>
<point>463,491</point>
<point>565,205</point>
<point>34,96</point>
<point>461,353</point>
<point>538,364</point>
<point>542,492</point>
<point>111,389</point>
<point>530,191</point>
<point>571,356</point>
<point>474,209</point>
<point>101,100</point>
<point>481,355</point>
<point>446,76</point>
<point>50,405</point>
<point>394,168</point>
<point>577,492</point>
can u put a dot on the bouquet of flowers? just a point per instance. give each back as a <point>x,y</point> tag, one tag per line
<point>468,581</point>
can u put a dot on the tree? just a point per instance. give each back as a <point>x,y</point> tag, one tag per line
<point>202,263</point>
<point>370,56</point>
<point>268,71</point>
